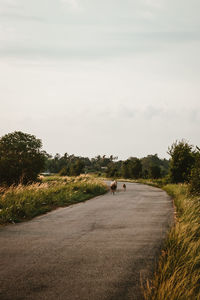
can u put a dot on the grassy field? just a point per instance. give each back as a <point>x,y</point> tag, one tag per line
<point>25,202</point>
<point>178,273</point>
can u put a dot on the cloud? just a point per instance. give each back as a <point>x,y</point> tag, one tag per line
<point>9,5</point>
<point>154,3</point>
<point>72,4</point>
<point>22,17</point>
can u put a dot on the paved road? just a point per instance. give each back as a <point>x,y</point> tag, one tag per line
<point>97,250</point>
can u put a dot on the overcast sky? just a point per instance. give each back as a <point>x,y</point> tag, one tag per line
<point>95,77</point>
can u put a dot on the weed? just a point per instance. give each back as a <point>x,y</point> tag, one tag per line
<point>25,202</point>
<point>178,273</point>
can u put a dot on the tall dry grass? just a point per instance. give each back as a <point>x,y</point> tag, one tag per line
<point>178,273</point>
<point>25,202</point>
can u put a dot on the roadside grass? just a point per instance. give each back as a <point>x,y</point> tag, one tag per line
<point>178,273</point>
<point>25,202</point>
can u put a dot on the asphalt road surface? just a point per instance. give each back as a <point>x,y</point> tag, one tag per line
<point>98,250</point>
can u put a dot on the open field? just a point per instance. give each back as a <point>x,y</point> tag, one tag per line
<point>178,273</point>
<point>25,202</point>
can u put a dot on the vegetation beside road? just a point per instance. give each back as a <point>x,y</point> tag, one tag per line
<point>177,276</point>
<point>18,203</point>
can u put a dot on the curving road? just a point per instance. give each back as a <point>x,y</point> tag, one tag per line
<point>97,250</point>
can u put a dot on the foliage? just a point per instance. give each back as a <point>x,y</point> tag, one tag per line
<point>131,168</point>
<point>65,163</point>
<point>154,167</point>
<point>70,163</point>
<point>21,158</point>
<point>64,171</point>
<point>182,161</point>
<point>75,168</point>
<point>102,162</point>
<point>195,175</point>
<point>25,202</point>
<point>154,172</point>
<point>177,276</point>
<point>113,169</point>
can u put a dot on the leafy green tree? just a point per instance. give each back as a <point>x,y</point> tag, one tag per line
<point>125,169</point>
<point>181,162</point>
<point>152,165</point>
<point>113,169</point>
<point>21,158</point>
<point>154,172</point>
<point>195,175</point>
<point>64,171</point>
<point>135,167</point>
<point>131,168</point>
<point>77,167</point>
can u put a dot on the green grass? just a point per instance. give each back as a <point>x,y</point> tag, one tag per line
<point>178,273</point>
<point>25,202</point>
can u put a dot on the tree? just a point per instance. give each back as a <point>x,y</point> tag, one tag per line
<point>135,167</point>
<point>195,175</point>
<point>182,161</point>
<point>21,158</point>
<point>76,167</point>
<point>131,168</point>
<point>154,167</point>
<point>113,170</point>
<point>64,171</point>
<point>154,172</point>
<point>125,169</point>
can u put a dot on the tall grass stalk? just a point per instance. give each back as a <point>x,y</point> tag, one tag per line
<point>178,273</point>
<point>25,202</point>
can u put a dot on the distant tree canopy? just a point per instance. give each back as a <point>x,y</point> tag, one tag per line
<point>154,172</point>
<point>21,158</point>
<point>181,162</point>
<point>131,168</point>
<point>74,165</point>
<point>67,165</point>
<point>147,167</point>
<point>154,167</point>
<point>113,169</point>
<point>74,168</point>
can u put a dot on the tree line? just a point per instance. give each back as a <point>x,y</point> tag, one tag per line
<point>22,159</point>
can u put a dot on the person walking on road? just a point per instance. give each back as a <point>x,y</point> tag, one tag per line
<point>113,187</point>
